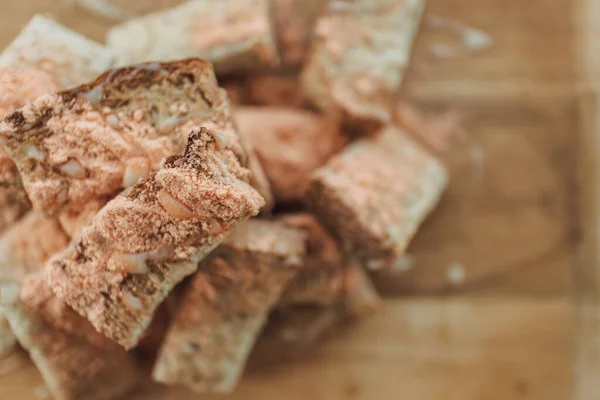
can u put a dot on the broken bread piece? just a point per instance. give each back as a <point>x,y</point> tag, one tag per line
<point>359,53</point>
<point>290,145</point>
<point>226,306</point>
<point>375,194</point>
<point>73,364</point>
<point>67,57</point>
<point>147,239</point>
<point>235,35</point>
<point>321,280</point>
<point>92,141</point>
<point>20,86</point>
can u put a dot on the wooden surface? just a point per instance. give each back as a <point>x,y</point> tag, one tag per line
<point>509,221</point>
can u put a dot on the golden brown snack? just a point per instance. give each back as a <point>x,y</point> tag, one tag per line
<point>235,35</point>
<point>147,239</point>
<point>290,145</point>
<point>375,194</point>
<point>67,57</point>
<point>89,142</point>
<point>274,89</point>
<point>359,53</point>
<point>294,22</point>
<point>226,306</point>
<point>72,366</point>
<point>321,280</point>
<point>19,86</point>
<point>43,58</point>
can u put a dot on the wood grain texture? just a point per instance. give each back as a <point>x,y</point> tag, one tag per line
<point>455,349</point>
<point>510,219</point>
<point>531,50</point>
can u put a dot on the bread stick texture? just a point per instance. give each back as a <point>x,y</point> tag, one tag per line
<point>75,361</point>
<point>147,239</point>
<point>235,35</point>
<point>359,53</point>
<point>375,194</point>
<point>226,306</point>
<point>79,145</point>
<point>66,56</point>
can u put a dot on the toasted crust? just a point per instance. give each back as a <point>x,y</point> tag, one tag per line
<point>82,144</point>
<point>72,367</point>
<point>69,58</point>
<point>359,53</point>
<point>375,194</point>
<point>227,304</point>
<point>19,87</point>
<point>148,239</point>
<point>290,145</point>
<point>43,58</point>
<point>235,35</point>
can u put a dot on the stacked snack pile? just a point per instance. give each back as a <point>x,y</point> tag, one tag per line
<point>146,210</point>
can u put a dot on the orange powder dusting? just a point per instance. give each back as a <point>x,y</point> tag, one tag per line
<point>209,182</point>
<point>92,141</point>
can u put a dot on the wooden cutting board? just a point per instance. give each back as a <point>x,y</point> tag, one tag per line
<point>510,223</point>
